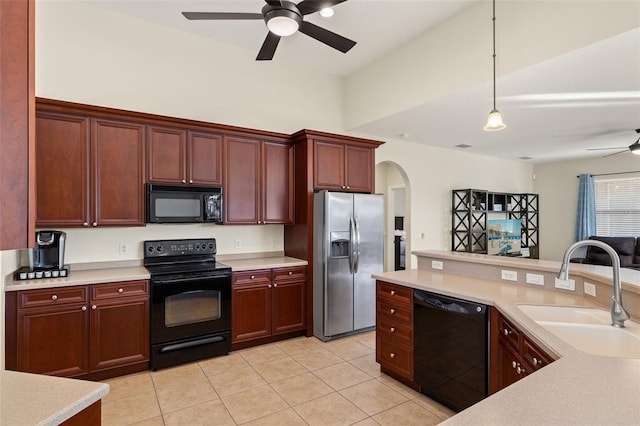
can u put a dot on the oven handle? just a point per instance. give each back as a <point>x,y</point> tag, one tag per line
<point>190,344</point>
<point>186,280</point>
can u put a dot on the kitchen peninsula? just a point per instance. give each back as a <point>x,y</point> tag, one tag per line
<point>577,388</point>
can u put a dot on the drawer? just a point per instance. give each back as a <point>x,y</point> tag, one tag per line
<point>394,356</point>
<point>395,310</point>
<point>398,294</point>
<point>258,276</point>
<point>534,356</point>
<point>52,296</point>
<point>391,327</point>
<point>294,273</point>
<point>120,289</point>
<point>508,333</point>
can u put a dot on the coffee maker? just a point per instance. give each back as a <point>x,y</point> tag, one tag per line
<point>46,259</point>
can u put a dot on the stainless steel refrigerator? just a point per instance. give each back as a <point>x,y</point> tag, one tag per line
<point>348,246</point>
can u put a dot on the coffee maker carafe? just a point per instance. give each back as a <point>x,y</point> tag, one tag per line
<point>48,253</point>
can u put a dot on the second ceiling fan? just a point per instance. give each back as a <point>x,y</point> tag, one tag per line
<point>284,18</point>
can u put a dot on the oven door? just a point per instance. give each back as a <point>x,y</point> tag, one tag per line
<point>187,307</point>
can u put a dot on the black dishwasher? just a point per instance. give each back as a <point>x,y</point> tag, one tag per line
<point>451,338</point>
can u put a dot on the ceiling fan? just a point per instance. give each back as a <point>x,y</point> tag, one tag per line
<point>284,18</point>
<point>634,148</point>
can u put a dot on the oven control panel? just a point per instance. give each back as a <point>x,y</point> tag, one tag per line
<point>179,247</point>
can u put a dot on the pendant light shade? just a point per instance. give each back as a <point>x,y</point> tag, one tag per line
<point>494,121</point>
<point>282,22</point>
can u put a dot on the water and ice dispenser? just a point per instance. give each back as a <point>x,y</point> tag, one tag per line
<point>339,245</point>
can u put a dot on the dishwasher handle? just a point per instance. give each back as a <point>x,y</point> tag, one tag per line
<point>447,304</point>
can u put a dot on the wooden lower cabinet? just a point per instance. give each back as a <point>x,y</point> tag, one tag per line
<point>80,331</point>
<point>513,355</point>
<point>394,331</point>
<point>267,303</point>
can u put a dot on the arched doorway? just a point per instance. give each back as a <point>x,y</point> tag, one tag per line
<point>392,182</point>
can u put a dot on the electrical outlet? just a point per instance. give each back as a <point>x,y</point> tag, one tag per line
<point>123,248</point>
<point>509,275</point>
<point>535,279</point>
<point>274,244</point>
<point>437,264</point>
<point>565,284</point>
<point>590,289</point>
<point>238,244</point>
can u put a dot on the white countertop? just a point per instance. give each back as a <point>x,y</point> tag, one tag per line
<point>578,388</point>
<point>262,263</point>
<point>34,399</point>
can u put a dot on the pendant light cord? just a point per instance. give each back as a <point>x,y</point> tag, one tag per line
<point>494,54</point>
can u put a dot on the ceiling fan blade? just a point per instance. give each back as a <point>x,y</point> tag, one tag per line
<point>220,15</point>
<point>616,153</point>
<point>327,37</point>
<point>311,6</point>
<point>268,48</point>
<point>604,149</point>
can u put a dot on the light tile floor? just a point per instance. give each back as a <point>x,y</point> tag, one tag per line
<point>301,381</point>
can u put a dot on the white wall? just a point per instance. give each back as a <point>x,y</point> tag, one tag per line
<point>558,188</point>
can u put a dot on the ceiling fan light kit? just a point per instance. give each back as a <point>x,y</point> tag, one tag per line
<point>494,121</point>
<point>284,18</point>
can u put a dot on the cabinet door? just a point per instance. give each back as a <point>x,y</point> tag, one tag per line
<point>359,169</point>
<point>277,183</point>
<point>118,172</point>
<point>328,165</point>
<point>508,363</point>
<point>166,154</point>
<point>204,158</point>
<point>242,179</point>
<point>119,333</point>
<point>250,312</point>
<point>288,307</point>
<point>54,340</point>
<point>62,170</point>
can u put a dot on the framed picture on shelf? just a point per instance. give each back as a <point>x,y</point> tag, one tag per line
<point>504,236</point>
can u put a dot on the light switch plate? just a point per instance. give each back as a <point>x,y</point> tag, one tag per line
<point>437,264</point>
<point>509,275</point>
<point>590,289</point>
<point>536,279</point>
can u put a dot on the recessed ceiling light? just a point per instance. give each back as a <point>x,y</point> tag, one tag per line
<point>462,145</point>
<point>327,12</point>
<point>525,158</point>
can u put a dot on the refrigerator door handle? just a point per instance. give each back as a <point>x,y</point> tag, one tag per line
<point>352,244</point>
<point>357,245</point>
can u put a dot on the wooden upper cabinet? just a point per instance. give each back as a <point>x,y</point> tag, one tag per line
<point>17,124</point>
<point>277,183</point>
<point>179,156</point>
<point>343,167</point>
<point>204,158</point>
<point>62,170</point>
<point>258,184</point>
<point>166,154</point>
<point>118,172</point>
<point>242,180</point>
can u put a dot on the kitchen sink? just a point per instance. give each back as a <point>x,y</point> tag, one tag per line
<point>588,329</point>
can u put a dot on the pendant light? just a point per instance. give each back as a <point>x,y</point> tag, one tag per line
<point>494,121</point>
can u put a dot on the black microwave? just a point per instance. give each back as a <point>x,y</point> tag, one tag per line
<point>184,204</point>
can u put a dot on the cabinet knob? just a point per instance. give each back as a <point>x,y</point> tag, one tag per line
<point>393,292</point>
<point>184,181</point>
<point>268,285</point>
<point>290,272</point>
<point>94,307</point>
<point>392,355</point>
<point>54,297</point>
<point>253,277</point>
<point>343,187</point>
<point>507,332</point>
<point>95,224</point>
<point>190,180</point>
<point>86,224</point>
<point>275,285</point>
<point>84,308</point>
<point>120,290</point>
<point>393,311</point>
<point>393,329</point>
<point>514,364</point>
<point>536,361</point>
<point>348,187</point>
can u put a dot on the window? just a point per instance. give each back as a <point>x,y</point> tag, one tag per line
<point>618,206</point>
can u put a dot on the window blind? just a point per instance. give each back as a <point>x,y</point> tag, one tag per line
<point>618,206</point>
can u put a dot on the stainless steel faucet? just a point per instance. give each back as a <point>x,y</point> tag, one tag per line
<point>618,314</point>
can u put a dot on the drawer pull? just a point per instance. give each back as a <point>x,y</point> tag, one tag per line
<point>393,292</point>
<point>393,329</point>
<point>120,290</point>
<point>392,355</point>
<point>54,297</point>
<point>393,311</point>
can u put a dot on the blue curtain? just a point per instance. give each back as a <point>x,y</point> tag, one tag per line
<point>586,214</point>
